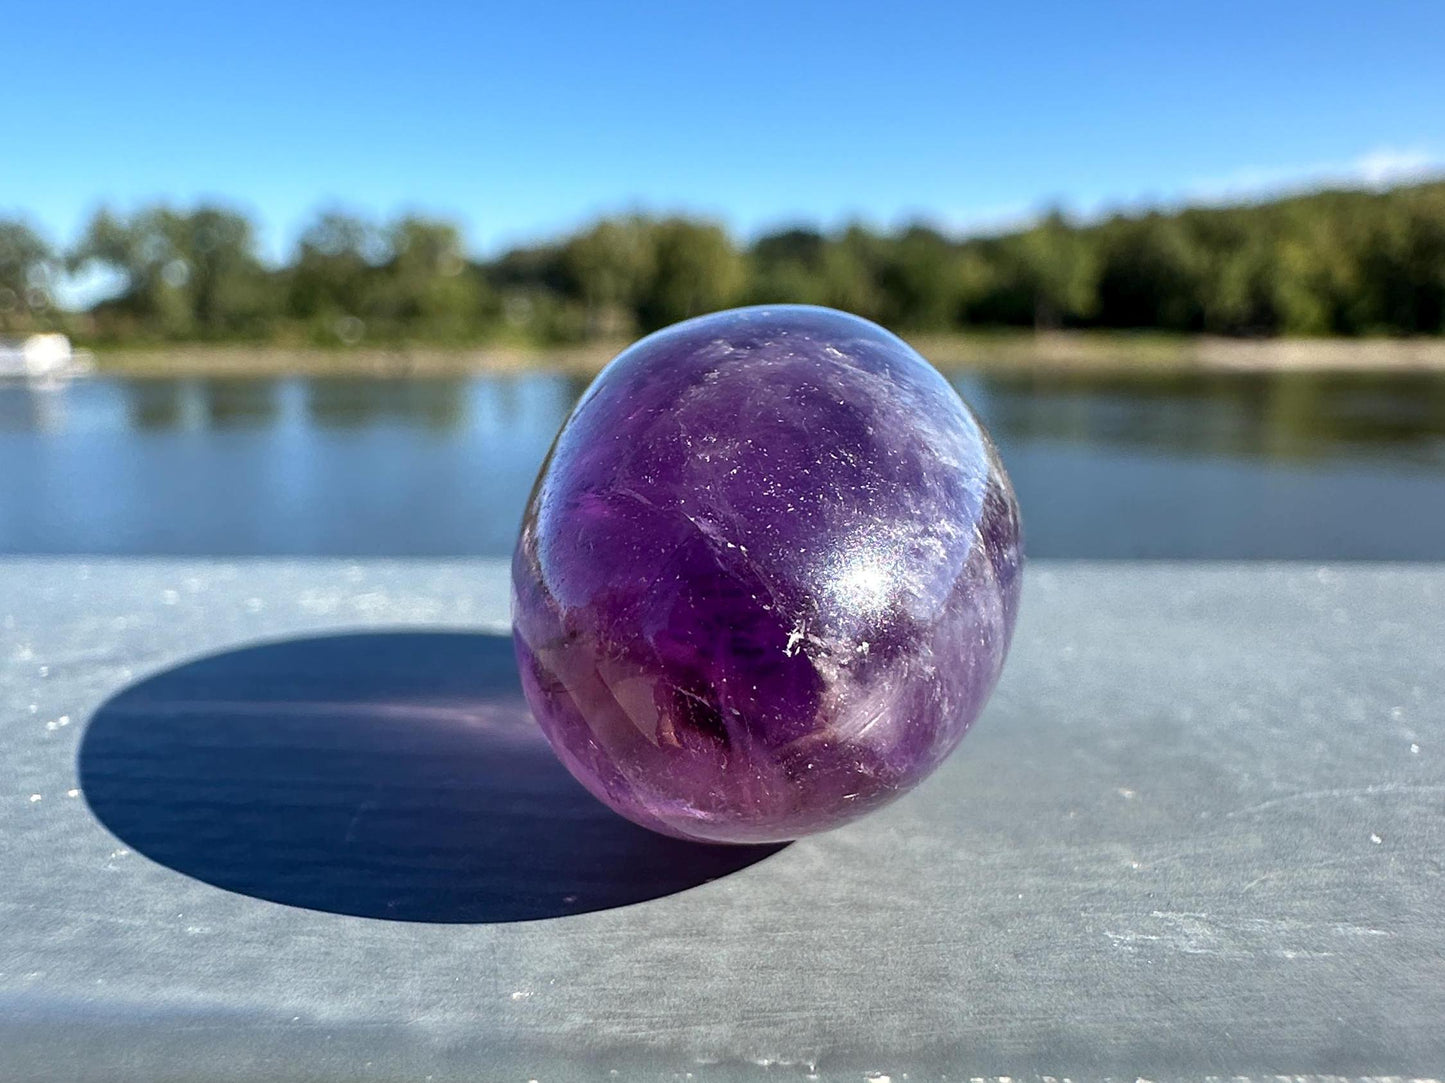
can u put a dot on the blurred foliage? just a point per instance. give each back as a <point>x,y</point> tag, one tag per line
<point>1329,263</point>
<point>186,275</point>
<point>27,272</point>
<point>351,279</point>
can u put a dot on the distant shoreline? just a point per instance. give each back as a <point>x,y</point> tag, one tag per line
<point>1096,352</point>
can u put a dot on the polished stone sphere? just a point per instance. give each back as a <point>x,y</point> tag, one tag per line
<point>767,577</point>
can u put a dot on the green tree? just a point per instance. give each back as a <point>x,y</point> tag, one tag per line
<point>609,269</point>
<point>1239,253</point>
<point>1060,268</point>
<point>1150,274</point>
<point>1334,262</point>
<point>27,270</point>
<point>426,289</point>
<point>185,274</point>
<point>333,274</point>
<point>696,270</point>
<point>790,266</point>
<point>922,280</point>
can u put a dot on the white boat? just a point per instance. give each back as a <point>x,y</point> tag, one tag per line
<point>43,359</point>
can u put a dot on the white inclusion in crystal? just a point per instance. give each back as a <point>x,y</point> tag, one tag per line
<point>863,581</point>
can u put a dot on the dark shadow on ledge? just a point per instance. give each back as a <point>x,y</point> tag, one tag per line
<point>391,776</point>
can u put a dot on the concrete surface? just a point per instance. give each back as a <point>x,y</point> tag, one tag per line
<point>1199,831</point>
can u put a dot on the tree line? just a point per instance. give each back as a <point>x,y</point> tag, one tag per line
<point>1341,262</point>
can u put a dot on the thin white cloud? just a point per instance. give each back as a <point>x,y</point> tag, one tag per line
<point>1388,166</point>
<point>1377,168</point>
<point>1001,218</point>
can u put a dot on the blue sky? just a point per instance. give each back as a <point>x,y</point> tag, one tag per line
<point>525,119</point>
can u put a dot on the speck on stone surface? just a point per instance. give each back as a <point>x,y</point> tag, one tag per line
<point>767,577</point>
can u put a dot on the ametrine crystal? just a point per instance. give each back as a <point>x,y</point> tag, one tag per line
<point>767,576</point>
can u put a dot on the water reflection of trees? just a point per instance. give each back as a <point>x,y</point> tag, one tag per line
<point>211,403</point>
<point>26,409</point>
<point>234,402</point>
<point>433,404</point>
<point>154,405</point>
<point>577,385</point>
<point>1288,416</point>
<point>1295,416</point>
<point>436,404</point>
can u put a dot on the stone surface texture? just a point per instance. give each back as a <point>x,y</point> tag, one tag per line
<point>1196,833</point>
<point>767,577</point>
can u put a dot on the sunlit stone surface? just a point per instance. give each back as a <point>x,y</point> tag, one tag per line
<point>767,577</point>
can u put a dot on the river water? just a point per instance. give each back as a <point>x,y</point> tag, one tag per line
<point>1227,466</point>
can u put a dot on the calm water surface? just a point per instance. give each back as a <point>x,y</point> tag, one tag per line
<point>1221,466</point>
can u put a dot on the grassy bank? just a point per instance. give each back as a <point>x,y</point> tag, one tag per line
<point>1091,351</point>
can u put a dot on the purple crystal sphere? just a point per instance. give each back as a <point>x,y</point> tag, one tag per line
<point>767,577</point>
